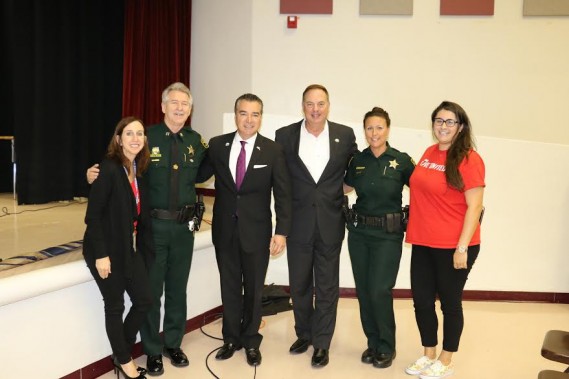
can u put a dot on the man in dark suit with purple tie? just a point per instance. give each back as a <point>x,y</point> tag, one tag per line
<point>317,153</point>
<point>248,168</point>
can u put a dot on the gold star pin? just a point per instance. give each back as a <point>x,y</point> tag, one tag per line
<point>393,164</point>
<point>191,150</point>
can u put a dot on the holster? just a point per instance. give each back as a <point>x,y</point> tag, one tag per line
<point>199,210</point>
<point>346,209</point>
<point>404,218</point>
<point>185,214</point>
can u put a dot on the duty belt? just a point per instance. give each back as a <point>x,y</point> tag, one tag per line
<point>164,214</point>
<point>377,222</point>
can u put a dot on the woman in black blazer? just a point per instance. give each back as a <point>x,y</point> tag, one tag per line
<point>117,246</point>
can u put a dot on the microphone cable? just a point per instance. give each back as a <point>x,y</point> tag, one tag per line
<point>215,317</point>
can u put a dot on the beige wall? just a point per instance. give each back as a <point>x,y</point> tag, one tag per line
<point>510,73</point>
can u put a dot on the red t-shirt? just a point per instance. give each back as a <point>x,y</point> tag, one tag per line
<point>436,210</point>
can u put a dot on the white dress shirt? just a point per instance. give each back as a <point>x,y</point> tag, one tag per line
<point>314,151</point>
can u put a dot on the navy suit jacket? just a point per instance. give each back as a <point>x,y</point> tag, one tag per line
<point>318,202</point>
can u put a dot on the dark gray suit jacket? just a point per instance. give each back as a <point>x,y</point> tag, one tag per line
<point>317,202</point>
<point>266,172</point>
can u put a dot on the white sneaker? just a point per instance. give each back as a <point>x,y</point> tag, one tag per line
<point>437,370</point>
<point>419,365</point>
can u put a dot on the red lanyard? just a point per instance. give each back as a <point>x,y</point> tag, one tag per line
<point>135,191</point>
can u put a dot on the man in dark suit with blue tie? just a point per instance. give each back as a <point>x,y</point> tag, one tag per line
<point>247,168</point>
<point>317,153</point>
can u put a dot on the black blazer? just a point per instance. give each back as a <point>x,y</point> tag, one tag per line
<point>266,171</point>
<point>320,201</point>
<point>111,212</point>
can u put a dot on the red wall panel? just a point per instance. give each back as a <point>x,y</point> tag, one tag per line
<point>306,6</point>
<point>467,7</point>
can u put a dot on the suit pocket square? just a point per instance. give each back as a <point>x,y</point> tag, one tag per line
<point>259,165</point>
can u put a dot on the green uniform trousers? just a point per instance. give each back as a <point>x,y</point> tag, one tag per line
<point>174,245</point>
<point>375,264</point>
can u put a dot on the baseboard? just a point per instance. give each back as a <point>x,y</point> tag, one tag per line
<point>472,295</point>
<point>205,191</point>
<point>102,366</point>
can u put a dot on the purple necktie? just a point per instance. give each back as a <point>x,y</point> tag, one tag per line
<point>241,168</point>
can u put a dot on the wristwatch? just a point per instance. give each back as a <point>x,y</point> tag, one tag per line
<point>462,249</point>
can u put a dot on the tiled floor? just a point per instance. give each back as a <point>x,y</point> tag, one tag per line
<point>500,341</point>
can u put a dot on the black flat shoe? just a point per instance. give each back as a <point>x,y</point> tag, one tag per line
<point>383,360</point>
<point>299,346</point>
<point>177,357</point>
<point>154,365</point>
<point>320,358</point>
<point>368,355</point>
<point>253,356</point>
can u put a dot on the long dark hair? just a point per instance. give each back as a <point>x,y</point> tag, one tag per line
<point>115,151</point>
<point>462,143</point>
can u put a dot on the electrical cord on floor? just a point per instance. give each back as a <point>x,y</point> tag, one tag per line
<point>215,317</point>
<point>5,211</point>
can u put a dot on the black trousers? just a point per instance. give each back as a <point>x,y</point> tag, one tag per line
<point>314,278</point>
<point>242,276</point>
<point>122,334</point>
<point>432,274</point>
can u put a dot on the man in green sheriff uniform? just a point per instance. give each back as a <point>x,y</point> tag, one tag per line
<point>176,152</point>
<point>375,237</point>
<point>173,240</point>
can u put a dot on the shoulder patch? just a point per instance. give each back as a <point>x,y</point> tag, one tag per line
<point>204,144</point>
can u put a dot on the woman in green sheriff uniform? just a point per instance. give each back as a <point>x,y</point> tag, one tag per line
<point>375,237</point>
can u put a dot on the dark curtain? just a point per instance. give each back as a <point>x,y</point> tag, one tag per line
<point>156,53</point>
<point>62,89</point>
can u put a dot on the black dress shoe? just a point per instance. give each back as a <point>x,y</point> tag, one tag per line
<point>253,356</point>
<point>383,360</point>
<point>320,357</point>
<point>177,357</point>
<point>368,355</point>
<point>227,351</point>
<point>154,365</point>
<point>299,346</point>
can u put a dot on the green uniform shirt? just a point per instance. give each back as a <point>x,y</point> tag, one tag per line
<point>379,182</point>
<point>192,149</point>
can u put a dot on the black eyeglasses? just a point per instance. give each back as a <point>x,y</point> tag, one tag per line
<point>450,122</point>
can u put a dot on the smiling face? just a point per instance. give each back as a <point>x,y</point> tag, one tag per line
<point>316,107</point>
<point>377,133</point>
<point>176,109</point>
<point>248,117</point>
<point>132,139</point>
<point>445,134</point>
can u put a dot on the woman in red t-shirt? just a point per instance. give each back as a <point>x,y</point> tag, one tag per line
<point>447,189</point>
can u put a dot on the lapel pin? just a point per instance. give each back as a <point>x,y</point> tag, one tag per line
<point>336,140</point>
<point>258,148</point>
<point>227,144</point>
